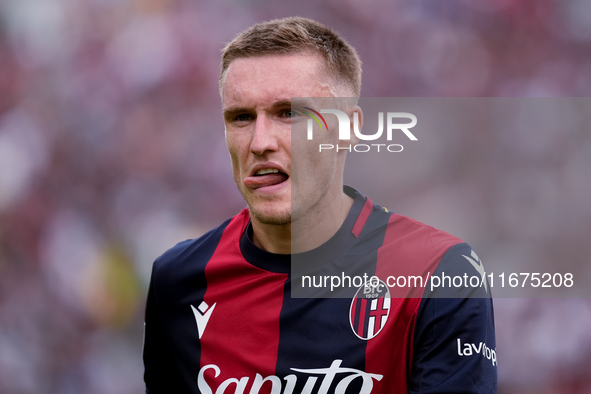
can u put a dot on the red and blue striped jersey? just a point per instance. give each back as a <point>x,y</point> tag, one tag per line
<point>221,318</point>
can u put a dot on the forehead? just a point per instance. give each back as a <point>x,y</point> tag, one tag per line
<point>257,81</point>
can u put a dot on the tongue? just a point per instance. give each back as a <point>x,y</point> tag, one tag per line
<point>254,182</point>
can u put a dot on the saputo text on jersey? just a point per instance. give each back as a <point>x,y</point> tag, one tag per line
<point>330,373</point>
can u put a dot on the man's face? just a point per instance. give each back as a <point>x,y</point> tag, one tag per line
<point>258,119</point>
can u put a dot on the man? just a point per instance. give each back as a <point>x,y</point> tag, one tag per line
<point>220,317</point>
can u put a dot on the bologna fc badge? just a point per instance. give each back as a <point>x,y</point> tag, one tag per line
<point>370,310</point>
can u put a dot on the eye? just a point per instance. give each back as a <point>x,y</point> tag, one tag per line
<point>289,113</point>
<point>243,117</point>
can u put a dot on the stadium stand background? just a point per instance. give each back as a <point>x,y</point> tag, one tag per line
<point>112,150</point>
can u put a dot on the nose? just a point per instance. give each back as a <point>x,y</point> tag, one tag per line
<point>264,138</point>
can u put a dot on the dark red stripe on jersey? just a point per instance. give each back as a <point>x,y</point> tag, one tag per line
<point>362,218</point>
<point>410,248</point>
<point>245,297</point>
<point>361,325</point>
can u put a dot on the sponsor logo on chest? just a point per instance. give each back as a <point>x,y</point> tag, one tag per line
<point>319,381</point>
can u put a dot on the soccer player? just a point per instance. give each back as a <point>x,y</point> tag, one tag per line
<point>220,316</point>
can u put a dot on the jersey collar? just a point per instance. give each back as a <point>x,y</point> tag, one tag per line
<point>336,245</point>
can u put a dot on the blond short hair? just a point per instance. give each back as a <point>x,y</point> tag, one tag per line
<point>292,36</point>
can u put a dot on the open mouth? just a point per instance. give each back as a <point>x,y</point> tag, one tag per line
<point>265,177</point>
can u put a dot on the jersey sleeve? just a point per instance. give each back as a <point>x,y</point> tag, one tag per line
<point>160,374</point>
<point>454,349</point>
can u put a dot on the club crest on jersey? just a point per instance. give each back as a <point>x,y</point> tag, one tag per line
<point>370,309</point>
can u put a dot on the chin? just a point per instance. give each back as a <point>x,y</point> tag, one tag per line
<point>273,218</point>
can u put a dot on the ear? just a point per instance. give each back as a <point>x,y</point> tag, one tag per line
<point>355,112</point>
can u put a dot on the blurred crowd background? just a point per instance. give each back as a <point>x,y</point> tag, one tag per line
<point>112,150</point>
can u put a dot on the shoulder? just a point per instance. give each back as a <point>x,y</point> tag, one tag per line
<point>412,247</point>
<point>191,256</point>
<point>413,234</point>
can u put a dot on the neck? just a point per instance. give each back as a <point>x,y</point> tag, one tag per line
<point>270,237</point>
<point>308,232</point>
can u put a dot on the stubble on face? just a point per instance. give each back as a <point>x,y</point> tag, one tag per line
<point>278,219</point>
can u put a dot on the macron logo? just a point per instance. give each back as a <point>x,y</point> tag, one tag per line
<point>202,315</point>
<point>478,266</point>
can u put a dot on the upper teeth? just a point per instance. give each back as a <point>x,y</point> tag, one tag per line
<point>267,171</point>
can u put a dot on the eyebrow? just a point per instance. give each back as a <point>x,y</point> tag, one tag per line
<point>233,111</point>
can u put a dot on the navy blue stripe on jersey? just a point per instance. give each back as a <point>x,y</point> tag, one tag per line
<point>315,333</point>
<point>467,346</point>
<point>178,281</point>
<point>319,333</point>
